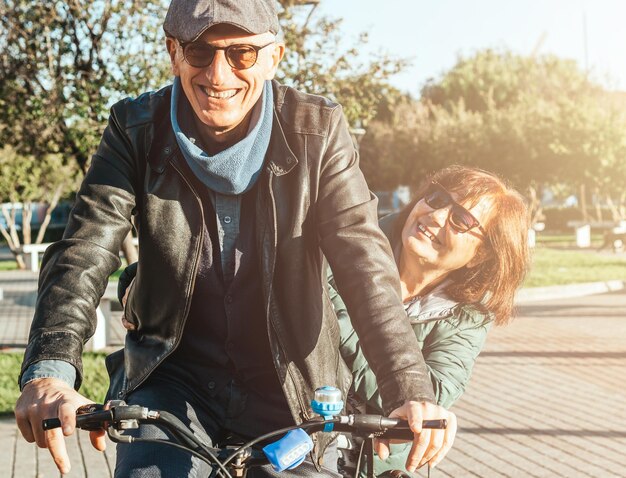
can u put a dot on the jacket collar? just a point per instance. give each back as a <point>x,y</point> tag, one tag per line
<point>280,158</point>
<point>163,143</point>
<point>436,305</point>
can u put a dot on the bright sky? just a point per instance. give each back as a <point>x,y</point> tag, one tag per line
<point>434,32</point>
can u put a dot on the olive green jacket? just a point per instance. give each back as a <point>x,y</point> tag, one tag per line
<point>450,334</point>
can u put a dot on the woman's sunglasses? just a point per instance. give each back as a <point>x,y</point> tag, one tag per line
<point>459,218</point>
<point>241,57</point>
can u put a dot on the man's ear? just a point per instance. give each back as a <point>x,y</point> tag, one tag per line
<point>172,49</point>
<point>278,53</point>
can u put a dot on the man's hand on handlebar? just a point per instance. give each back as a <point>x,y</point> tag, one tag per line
<point>429,446</point>
<point>50,397</point>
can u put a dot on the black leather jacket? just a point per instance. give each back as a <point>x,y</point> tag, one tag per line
<point>313,202</point>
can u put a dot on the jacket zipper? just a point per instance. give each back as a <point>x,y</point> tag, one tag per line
<point>303,408</point>
<point>192,286</point>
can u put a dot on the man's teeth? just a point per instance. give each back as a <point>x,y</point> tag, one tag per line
<point>426,232</point>
<point>222,95</point>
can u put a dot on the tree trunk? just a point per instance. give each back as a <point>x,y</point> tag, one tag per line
<point>536,210</point>
<point>598,205</point>
<point>10,219</point>
<point>48,217</point>
<point>583,203</point>
<point>14,247</point>
<point>129,250</point>
<point>613,208</point>
<point>27,216</point>
<point>19,259</point>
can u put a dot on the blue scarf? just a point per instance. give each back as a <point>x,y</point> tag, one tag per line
<point>234,170</point>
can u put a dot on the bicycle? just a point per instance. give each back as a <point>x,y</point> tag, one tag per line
<point>234,461</point>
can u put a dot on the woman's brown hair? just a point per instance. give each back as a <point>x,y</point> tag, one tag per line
<point>492,283</point>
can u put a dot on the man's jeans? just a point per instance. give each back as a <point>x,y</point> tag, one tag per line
<point>214,407</point>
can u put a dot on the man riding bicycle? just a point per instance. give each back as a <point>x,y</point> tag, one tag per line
<point>240,189</point>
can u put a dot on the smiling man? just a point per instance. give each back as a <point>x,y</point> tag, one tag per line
<point>241,189</point>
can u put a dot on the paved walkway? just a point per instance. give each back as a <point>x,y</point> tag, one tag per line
<point>17,307</point>
<point>19,292</point>
<point>547,399</point>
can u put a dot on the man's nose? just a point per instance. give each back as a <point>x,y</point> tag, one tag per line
<point>219,69</point>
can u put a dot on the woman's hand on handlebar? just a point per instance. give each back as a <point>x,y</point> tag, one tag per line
<point>46,398</point>
<point>429,446</point>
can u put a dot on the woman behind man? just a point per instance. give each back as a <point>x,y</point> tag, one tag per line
<point>461,251</point>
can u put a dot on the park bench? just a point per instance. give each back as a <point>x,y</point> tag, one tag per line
<point>613,231</point>
<point>31,253</point>
<point>102,336</point>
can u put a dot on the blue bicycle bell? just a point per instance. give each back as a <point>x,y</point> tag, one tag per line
<point>327,403</point>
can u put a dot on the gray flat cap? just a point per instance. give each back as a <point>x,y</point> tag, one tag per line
<point>186,20</point>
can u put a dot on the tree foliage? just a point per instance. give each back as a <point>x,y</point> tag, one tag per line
<point>62,64</point>
<point>318,60</point>
<point>536,121</point>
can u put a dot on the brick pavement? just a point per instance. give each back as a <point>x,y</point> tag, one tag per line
<point>546,399</point>
<point>547,396</point>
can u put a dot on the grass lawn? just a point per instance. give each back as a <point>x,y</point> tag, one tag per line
<point>553,264</point>
<point>94,387</point>
<point>552,239</point>
<point>8,266</point>
<point>557,267</point>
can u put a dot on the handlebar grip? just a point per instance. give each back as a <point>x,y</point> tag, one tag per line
<point>88,417</point>
<point>84,422</point>
<point>405,433</point>
<point>51,423</point>
<point>377,422</point>
<point>437,424</point>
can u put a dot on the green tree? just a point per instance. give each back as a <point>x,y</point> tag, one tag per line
<point>27,179</point>
<point>62,64</point>
<point>316,61</point>
<point>536,121</point>
<point>499,79</point>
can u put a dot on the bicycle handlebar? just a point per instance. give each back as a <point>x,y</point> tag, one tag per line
<point>97,417</point>
<point>116,415</point>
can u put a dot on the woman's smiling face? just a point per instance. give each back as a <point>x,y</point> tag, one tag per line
<point>430,240</point>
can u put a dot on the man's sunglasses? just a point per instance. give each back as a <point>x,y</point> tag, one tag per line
<point>241,57</point>
<point>459,218</point>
